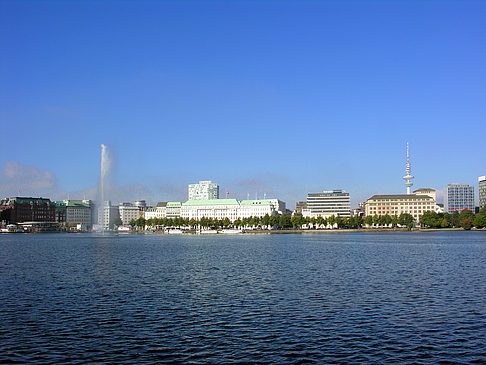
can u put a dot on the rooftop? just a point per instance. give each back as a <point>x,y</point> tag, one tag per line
<point>192,203</point>
<point>399,196</point>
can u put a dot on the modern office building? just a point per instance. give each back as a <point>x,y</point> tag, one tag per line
<point>328,203</point>
<point>414,204</point>
<point>205,190</point>
<point>482,191</point>
<point>129,212</point>
<point>299,207</point>
<point>21,209</point>
<point>460,197</point>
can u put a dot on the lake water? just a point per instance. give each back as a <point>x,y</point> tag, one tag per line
<point>310,298</point>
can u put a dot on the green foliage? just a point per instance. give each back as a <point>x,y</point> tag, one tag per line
<point>466,219</point>
<point>406,219</point>
<point>479,220</point>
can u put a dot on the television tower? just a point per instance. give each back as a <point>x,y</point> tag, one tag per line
<point>408,170</point>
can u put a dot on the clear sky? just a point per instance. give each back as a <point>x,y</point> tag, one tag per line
<point>275,97</point>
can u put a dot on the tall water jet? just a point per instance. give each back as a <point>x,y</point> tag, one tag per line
<point>105,175</point>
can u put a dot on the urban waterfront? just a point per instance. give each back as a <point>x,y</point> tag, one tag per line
<point>407,297</point>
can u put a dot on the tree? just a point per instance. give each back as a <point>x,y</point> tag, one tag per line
<point>394,221</point>
<point>479,220</point>
<point>455,219</point>
<point>265,220</point>
<point>430,219</point>
<point>466,219</point>
<point>368,220</point>
<point>284,221</point>
<point>406,219</point>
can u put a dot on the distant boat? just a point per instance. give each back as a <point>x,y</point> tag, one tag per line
<point>231,231</point>
<point>174,231</point>
<point>123,229</point>
<point>207,231</point>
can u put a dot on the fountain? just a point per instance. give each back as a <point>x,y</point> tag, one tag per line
<point>104,186</point>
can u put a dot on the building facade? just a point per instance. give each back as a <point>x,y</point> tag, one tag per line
<point>413,204</point>
<point>205,190</point>
<point>482,191</point>
<point>459,197</point>
<point>227,208</point>
<point>79,211</point>
<point>129,212</point>
<point>22,209</point>
<point>108,214</point>
<point>328,203</point>
<point>159,211</point>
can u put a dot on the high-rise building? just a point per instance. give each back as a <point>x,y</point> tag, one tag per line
<point>459,197</point>
<point>205,190</point>
<point>328,203</point>
<point>482,191</point>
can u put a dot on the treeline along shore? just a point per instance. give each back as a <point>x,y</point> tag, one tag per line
<point>429,220</point>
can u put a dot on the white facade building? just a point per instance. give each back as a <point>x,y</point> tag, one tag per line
<point>129,212</point>
<point>328,203</point>
<point>205,190</point>
<point>278,205</point>
<point>107,215</point>
<point>160,211</point>
<point>226,208</point>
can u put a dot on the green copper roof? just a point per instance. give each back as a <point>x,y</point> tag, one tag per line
<point>173,204</point>
<point>255,202</point>
<point>25,200</point>
<point>192,203</point>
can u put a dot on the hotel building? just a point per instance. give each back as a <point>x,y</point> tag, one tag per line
<point>205,190</point>
<point>459,197</point>
<point>327,203</point>
<point>227,208</point>
<point>414,204</point>
<point>21,209</point>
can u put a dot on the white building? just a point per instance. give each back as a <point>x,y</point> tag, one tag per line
<point>205,190</point>
<point>173,209</point>
<point>226,208</point>
<point>160,211</point>
<point>107,215</point>
<point>278,206</point>
<point>328,203</point>
<point>129,212</point>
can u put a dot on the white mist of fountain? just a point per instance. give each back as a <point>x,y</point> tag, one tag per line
<point>105,181</point>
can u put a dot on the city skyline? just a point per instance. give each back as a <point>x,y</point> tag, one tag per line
<point>276,98</point>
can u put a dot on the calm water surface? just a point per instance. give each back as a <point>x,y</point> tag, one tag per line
<point>327,298</point>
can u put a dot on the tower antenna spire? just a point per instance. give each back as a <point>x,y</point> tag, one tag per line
<point>408,177</point>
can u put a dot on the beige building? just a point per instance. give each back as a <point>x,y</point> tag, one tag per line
<point>415,204</point>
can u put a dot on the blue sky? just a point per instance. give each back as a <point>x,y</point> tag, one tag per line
<point>275,97</point>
